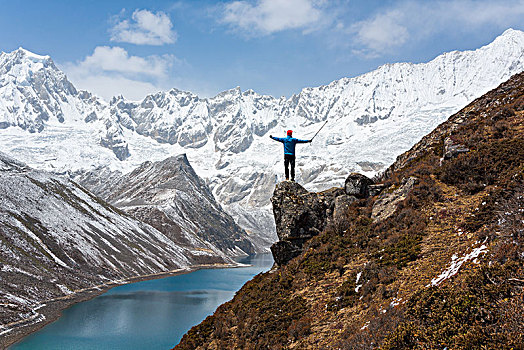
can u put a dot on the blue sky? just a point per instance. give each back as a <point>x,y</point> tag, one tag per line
<point>274,47</point>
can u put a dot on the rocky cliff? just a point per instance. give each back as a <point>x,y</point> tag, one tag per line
<point>301,215</point>
<point>433,260</point>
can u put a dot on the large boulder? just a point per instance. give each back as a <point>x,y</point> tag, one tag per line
<point>357,185</point>
<point>300,215</point>
<point>341,208</point>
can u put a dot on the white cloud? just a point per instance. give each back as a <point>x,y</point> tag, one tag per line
<point>381,32</point>
<point>117,59</point>
<point>406,21</point>
<point>111,71</point>
<point>145,28</point>
<point>271,16</point>
<point>473,14</point>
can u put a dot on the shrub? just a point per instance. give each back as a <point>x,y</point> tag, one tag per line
<point>462,315</point>
<point>300,328</point>
<point>493,162</point>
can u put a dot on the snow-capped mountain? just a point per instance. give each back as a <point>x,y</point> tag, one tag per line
<point>35,95</point>
<point>172,198</point>
<point>371,119</point>
<point>56,239</point>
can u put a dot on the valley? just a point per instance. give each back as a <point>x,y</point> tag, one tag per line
<point>96,194</point>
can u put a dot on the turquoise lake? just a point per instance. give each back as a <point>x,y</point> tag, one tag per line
<point>145,315</point>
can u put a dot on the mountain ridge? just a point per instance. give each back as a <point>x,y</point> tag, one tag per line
<point>171,197</point>
<point>372,118</point>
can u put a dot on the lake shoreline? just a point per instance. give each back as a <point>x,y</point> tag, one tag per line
<point>51,310</point>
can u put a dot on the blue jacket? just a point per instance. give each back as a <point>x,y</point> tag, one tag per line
<point>289,143</point>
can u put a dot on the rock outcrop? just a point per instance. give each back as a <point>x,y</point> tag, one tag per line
<point>299,215</point>
<point>453,149</point>
<point>389,201</point>
<point>357,185</point>
<point>376,189</point>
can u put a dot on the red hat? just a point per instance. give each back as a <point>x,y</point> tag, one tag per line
<point>289,132</point>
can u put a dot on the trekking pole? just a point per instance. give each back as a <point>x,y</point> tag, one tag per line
<point>319,130</point>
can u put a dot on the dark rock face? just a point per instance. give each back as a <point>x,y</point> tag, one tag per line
<point>300,215</point>
<point>283,251</point>
<point>376,189</point>
<point>342,204</point>
<point>357,185</point>
<point>121,151</point>
<point>115,143</point>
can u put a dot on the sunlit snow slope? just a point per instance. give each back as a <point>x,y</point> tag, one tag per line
<point>371,119</point>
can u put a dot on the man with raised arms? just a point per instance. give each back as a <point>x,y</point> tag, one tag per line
<point>289,151</point>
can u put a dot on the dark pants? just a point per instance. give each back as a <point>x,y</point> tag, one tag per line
<point>289,160</point>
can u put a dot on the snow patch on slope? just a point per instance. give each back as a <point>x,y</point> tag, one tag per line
<point>456,264</point>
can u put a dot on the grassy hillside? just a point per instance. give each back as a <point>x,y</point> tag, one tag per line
<point>445,270</point>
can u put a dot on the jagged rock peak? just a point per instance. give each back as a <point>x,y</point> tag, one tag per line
<point>181,158</point>
<point>174,165</point>
<point>510,34</point>
<point>23,61</point>
<point>23,53</point>
<point>236,91</point>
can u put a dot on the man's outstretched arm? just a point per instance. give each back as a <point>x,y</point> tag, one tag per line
<point>304,141</point>
<point>279,139</point>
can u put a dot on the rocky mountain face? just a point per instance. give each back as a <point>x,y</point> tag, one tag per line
<point>371,118</point>
<point>432,257</point>
<point>58,240</point>
<point>171,197</point>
